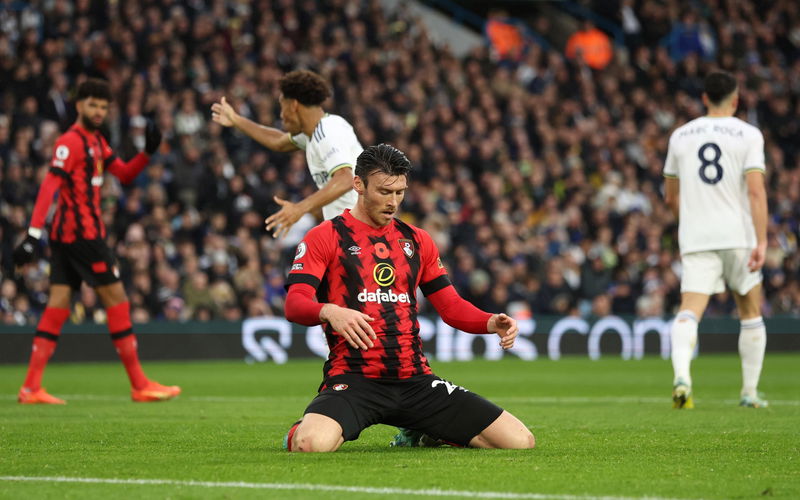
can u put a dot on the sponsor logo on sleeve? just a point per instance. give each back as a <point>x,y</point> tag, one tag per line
<point>298,266</point>
<point>62,153</point>
<point>301,250</point>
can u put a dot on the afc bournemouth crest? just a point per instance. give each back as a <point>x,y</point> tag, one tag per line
<point>408,247</point>
<point>339,387</point>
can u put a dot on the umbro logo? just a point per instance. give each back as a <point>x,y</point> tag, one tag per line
<point>354,250</point>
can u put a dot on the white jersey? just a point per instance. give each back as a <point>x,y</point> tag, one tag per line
<point>332,146</point>
<point>710,156</point>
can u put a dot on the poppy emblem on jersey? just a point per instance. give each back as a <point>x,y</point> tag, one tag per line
<point>339,387</point>
<point>381,250</point>
<point>301,250</point>
<point>383,274</point>
<point>408,247</point>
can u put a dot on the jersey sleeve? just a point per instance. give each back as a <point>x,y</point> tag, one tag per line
<point>671,163</point>
<point>299,140</point>
<point>433,275</point>
<point>108,154</point>
<point>336,143</point>
<point>312,257</point>
<point>65,155</point>
<point>754,161</point>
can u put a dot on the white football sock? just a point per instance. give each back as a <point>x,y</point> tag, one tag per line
<point>752,344</point>
<point>683,339</point>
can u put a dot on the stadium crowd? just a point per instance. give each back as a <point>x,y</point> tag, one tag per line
<point>539,178</point>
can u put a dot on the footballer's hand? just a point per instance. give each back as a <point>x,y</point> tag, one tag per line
<point>350,324</point>
<point>26,251</point>
<point>152,138</point>
<point>283,220</point>
<point>506,327</point>
<point>757,257</point>
<point>223,113</point>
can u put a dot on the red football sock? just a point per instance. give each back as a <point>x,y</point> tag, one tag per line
<point>119,324</point>
<point>44,343</point>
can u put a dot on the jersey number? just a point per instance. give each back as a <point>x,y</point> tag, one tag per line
<point>710,166</point>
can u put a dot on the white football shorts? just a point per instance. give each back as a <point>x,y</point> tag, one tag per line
<point>708,272</point>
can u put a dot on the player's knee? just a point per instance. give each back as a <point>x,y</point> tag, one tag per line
<point>519,441</point>
<point>315,442</point>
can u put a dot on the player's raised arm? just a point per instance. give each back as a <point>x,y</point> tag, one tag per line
<point>277,140</point>
<point>281,221</point>
<point>126,172</point>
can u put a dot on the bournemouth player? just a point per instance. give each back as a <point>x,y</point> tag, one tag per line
<point>357,275</point>
<point>715,181</point>
<point>77,242</point>
<point>330,144</point>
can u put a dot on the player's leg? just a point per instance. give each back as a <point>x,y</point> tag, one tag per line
<point>752,345</point>
<point>507,433</point>
<point>346,405</point>
<point>315,433</point>
<point>702,276</point>
<point>118,309</point>
<point>450,413</point>
<point>45,341</point>
<point>684,334</point>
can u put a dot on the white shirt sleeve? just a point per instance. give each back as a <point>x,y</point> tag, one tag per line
<point>300,140</point>
<point>671,164</point>
<point>336,147</point>
<point>755,153</point>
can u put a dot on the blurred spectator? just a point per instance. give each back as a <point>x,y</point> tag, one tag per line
<point>505,36</point>
<point>541,185</point>
<point>591,45</point>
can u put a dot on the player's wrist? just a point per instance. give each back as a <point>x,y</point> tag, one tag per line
<point>324,312</point>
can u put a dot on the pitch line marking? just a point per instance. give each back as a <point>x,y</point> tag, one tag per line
<point>500,399</point>
<point>435,492</point>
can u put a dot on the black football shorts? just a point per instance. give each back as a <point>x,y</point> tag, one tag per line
<point>424,403</point>
<point>84,260</point>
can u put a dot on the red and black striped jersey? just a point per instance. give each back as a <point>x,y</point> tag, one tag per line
<point>375,271</point>
<point>79,158</point>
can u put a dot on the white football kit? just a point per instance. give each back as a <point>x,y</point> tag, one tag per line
<point>711,156</point>
<point>332,146</point>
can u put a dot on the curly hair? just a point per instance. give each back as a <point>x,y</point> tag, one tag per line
<point>94,87</point>
<point>307,87</point>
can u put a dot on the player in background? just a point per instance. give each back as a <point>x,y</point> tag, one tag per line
<point>77,243</point>
<point>715,181</point>
<point>357,275</point>
<point>329,141</point>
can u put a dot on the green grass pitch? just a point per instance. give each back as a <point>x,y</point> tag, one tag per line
<point>604,429</point>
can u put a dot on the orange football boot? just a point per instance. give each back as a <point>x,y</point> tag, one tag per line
<point>154,391</point>
<point>38,397</point>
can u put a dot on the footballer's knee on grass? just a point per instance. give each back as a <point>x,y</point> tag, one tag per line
<point>317,433</point>
<point>506,432</point>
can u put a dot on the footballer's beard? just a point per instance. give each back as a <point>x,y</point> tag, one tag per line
<point>89,125</point>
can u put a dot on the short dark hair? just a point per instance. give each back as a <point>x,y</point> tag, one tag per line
<point>307,87</point>
<point>718,85</point>
<point>382,158</point>
<point>94,87</point>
